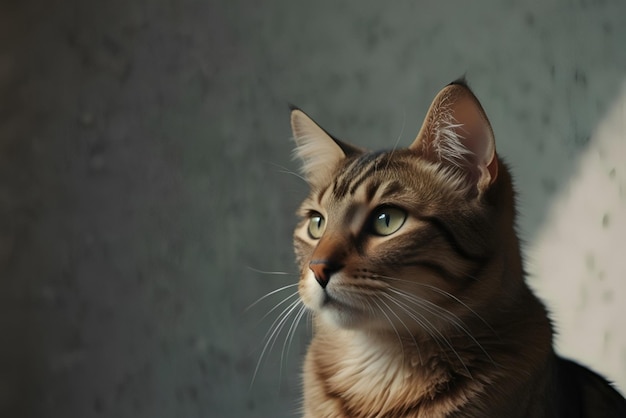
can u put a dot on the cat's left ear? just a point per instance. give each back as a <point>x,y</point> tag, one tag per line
<point>457,133</point>
<point>319,151</point>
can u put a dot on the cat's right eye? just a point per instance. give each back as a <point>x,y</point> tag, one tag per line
<point>317,224</point>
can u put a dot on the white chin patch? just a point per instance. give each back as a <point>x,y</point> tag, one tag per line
<point>330,309</point>
<point>340,317</point>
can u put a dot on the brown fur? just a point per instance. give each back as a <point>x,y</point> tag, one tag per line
<point>434,319</point>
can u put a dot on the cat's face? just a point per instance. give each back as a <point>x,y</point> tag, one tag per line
<point>387,229</point>
<point>393,240</point>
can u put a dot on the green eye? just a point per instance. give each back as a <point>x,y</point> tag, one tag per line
<point>317,224</point>
<point>387,220</point>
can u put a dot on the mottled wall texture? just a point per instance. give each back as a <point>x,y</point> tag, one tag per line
<point>146,188</point>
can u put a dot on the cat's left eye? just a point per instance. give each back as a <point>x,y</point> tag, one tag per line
<point>387,220</point>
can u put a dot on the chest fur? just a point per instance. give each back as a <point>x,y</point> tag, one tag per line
<point>355,376</point>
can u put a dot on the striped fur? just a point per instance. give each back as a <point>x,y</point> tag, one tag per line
<point>434,319</point>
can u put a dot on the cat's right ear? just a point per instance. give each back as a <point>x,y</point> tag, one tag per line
<point>317,149</point>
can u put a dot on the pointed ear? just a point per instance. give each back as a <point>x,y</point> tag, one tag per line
<point>319,151</point>
<point>457,133</point>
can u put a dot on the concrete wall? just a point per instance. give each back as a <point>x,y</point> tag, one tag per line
<point>143,150</point>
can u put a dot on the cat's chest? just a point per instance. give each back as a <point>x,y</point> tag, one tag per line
<point>371,377</point>
<point>360,369</point>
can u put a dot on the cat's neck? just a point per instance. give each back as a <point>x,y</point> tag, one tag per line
<point>376,372</point>
<point>389,356</point>
<point>380,372</point>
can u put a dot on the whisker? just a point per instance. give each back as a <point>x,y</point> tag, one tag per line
<point>273,292</point>
<point>285,170</point>
<point>395,145</point>
<point>270,272</point>
<point>445,340</point>
<point>280,316</point>
<point>443,313</point>
<point>433,308</point>
<point>284,353</point>
<point>273,333</point>
<point>404,325</point>
<point>289,337</point>
<point>281,303</point>
<point>390,321</point>
<point>303,311</point>
<point>421,321</point>
<point>443,293</point>
<point>291,333</point>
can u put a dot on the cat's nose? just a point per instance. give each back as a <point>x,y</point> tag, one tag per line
<point>323,269</point>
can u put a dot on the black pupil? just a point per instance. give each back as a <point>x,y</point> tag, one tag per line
<point>384,217</point>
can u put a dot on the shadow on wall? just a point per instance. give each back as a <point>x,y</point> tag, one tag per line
<point>139,145</point>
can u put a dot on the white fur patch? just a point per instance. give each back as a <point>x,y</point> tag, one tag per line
<point>447,142</point>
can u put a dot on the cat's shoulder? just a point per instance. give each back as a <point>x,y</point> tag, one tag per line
<point>586,393</point>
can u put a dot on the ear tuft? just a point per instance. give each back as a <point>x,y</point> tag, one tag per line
<point>319,151</point>
<point>457,134</point>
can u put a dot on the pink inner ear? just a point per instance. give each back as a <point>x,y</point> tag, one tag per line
<point>456,132</point>
<point>477,136</point>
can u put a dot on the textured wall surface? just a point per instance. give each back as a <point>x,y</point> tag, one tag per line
<point>144,185</point>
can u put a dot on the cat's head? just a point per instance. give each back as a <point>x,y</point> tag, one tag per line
<point>397,239</point>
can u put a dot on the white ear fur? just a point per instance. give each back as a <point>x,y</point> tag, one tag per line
<point>318,151</point>
<point>457,133</point>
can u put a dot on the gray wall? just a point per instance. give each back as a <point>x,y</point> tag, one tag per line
<point>143,146</point>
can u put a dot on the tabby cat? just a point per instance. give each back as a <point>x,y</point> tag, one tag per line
<point>412,270</point>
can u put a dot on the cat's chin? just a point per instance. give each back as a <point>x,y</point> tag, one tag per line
<point>342,318</point>
<point>340,314</point>
<point>334,311</point>
<point>331,307</point>
<point>353,320</point>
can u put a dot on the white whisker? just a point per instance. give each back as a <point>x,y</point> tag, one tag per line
<point>442,313</point>
<point>421,321</point>
<point>403,324</point>
<point>274,331</point>
<point>291,332</point>
<point>284,353</point>
<point>430,327</point>
<point>390,321</point>
<point>270,272</point>
<point>273,292</point>
<point>443,293</point>
<point>285,170</point>
<point>413,317</point>
<point>395,145</point>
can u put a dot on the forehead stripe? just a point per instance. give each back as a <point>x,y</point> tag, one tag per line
<point>366,165</point>
<point>381,165</point>
<point>367,173</point>
<point>340,184</point>
<point>348,176</point>
<point>390,189</point>
<point>371,190</point>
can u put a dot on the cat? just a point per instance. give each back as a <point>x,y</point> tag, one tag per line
<point>411,267</point>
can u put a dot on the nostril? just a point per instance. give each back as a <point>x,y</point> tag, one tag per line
<point>322,270</point>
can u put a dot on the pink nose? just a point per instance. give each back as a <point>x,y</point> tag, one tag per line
<point>322,270</point>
